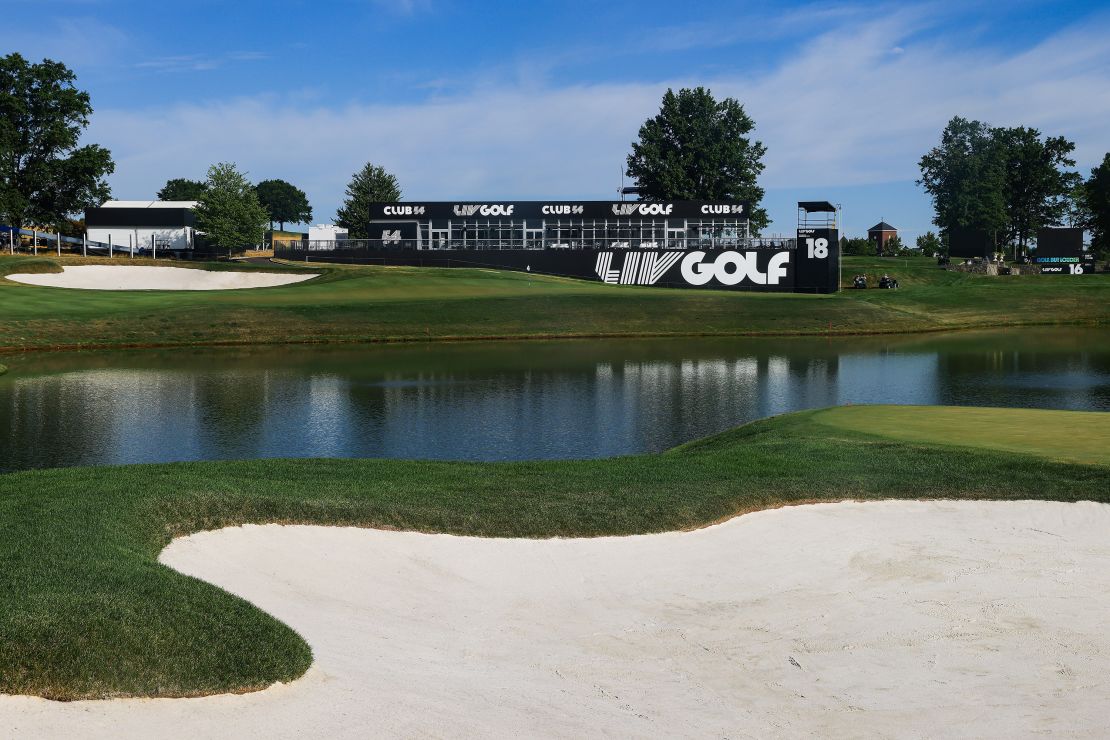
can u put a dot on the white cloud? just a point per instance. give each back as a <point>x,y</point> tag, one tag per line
<point>843,110</point>
<point>199,62</point>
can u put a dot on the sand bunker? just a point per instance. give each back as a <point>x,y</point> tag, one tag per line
<point>135,277</point>
<point>846,620</point>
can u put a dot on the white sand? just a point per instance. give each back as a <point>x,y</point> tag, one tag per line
<point>846,620</point>
<point>138,277</point>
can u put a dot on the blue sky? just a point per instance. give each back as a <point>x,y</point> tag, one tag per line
<point>541,99</point>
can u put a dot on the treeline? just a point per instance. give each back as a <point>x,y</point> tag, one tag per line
<point>1011,182</point>
<point>232,214</point>
<point>45,177</point>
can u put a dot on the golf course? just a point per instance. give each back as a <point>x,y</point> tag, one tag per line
<point>87,611</point>
<point>387,304</point>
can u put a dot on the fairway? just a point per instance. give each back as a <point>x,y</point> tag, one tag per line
<point>1075,436</point>
<point>386,304</point>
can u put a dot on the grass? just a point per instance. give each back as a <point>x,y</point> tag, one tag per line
<point>369,304</point>
<point>86,610</point>
<point>1068,436</point>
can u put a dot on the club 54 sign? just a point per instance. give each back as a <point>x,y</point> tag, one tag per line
<point>725,269</point>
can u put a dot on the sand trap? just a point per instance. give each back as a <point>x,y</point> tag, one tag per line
<point>135,277</point>
<point>845,620</point>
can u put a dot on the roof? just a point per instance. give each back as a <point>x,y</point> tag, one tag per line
<point>149,204</point>
<point>882,226</point>
<point>817,206</point>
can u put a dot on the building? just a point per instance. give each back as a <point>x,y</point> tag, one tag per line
<point>327,233</point>
<point>679,243</point>
<point>143,225</point>
<point>881,233</point>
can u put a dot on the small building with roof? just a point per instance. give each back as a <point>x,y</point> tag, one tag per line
<point>143,225</point>
<point>881,233</point>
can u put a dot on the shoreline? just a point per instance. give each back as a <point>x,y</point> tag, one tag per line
<point>460,339</point>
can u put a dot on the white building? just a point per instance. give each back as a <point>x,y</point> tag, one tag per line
<point>143,224</point>
<point>327,233</point>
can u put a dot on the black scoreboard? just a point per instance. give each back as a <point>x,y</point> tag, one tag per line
<point>1060,252</point>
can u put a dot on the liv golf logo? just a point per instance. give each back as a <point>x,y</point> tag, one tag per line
<point>728,268</point>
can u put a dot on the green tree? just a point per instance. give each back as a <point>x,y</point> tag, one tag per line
<point>894,246</point>
<point>697,148</point>
<point>1036,186</point>
<point>964,177</point>
<point>929,244</point>
<point>180,188</point>
<point>229,214</point>
<point>859,247</point>
<point>44,176</point>
<point>371,184</point>
<point>1096,208</point>
<point>284,201</point>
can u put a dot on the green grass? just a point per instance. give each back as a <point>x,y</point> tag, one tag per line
<point>368,304</point>
<point>1069,436</point>
<point>86,610</point>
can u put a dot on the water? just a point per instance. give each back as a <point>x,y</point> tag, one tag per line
<point>506,401</point>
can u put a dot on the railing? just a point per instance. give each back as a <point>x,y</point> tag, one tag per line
<point>687,244</point>
<point>11,240</point>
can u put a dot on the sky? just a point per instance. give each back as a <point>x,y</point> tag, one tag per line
<point>541,100</point>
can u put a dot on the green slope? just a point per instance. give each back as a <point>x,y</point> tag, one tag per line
<point>86,611</point>
<point>413,304</point>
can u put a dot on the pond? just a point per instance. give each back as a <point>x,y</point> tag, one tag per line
<point>506,401</point>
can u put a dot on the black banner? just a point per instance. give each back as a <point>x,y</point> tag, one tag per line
<point>818,258</point>
<point>1066,265</point>
<point>783,270</point>
<point>554,210</point>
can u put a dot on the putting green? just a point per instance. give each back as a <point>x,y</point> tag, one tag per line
<point>1074,436</point>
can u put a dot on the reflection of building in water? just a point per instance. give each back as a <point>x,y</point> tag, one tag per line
<point>564,405</point>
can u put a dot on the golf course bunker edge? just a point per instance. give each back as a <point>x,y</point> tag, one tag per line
<point>836,620</point>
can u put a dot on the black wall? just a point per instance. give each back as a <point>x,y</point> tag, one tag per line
<point>1058,242</point>
<point>968,242</point>
<point>652,267</point>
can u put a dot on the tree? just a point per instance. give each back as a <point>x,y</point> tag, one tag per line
<point>44,176</point>
<point>1096,208</point>
<point>964,177</point>
<point>859,247</point>
<point>929,243</point>
<point>894,246</point>
<point>371,184</point>
<point>697,148</point>
<point>229,214</point>
<point>1036,188</point>
<point>284,201</point>
<point>181,189</point>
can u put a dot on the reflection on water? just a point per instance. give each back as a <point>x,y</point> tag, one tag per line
<point>506,401</point>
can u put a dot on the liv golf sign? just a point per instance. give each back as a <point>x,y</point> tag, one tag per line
<point>727,269</point>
